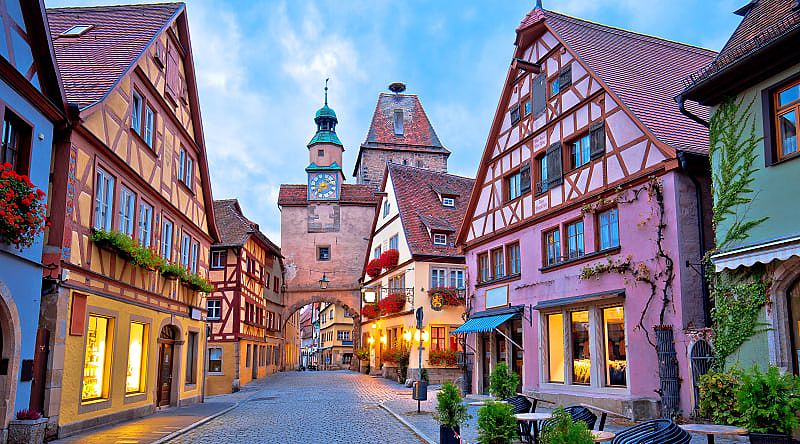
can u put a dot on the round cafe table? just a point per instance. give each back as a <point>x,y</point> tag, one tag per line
<point>602,436</point>
<point>710,430</point>
<point>532,419</point>
<point>483,403</point>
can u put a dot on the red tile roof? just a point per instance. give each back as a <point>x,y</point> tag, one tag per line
<point>420,207</point>
<point>759,16</point>
<point>92,63</point>
<point>297,195</point>
<point>645,72</point>
<point>418,133</point>
<point>234,228</point>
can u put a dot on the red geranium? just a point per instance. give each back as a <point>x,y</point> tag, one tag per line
<point>451,296</point>
<point>393,303</point>
<point>374,268</point>
<point>442,358</point>
<point>370,311</point>
<point>22,208</point>
<point>389,259</point>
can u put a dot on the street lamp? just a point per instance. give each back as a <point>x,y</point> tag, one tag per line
<point>323,283</point>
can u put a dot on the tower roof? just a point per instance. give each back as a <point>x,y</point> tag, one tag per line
<point>326,121</point>
<point>325,111</point>
<point>418,133</point>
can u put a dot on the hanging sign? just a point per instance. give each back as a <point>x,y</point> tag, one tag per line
<point>437,301</point>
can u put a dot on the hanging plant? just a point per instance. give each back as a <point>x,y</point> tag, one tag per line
<point>370,311</point>
<point>389,259</point>
<point>450,296</point>
<point>393,303</point>
<point>171,270</point>
<point>374,268</point>
<point>22,209</point>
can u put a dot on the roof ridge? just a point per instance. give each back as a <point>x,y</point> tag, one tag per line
<point>444,173</point>
<point>124,5</point>
<point>634,34</point>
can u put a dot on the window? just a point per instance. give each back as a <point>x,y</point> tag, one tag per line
<point>218,259</point>
<point>616,356</point>
<point>215,360</point>
<point>76,31</point>
<point>448,202</point>
<point>581,358</point>
<point>145,224</point>
<point>376,253</point>
<point>136,113</point>
<point>185,168</point>
<point>320,153</point>
<point>398,122</point>
<point>484,273</point>
<point>134,381</point>
<point>457,279</point>
<point>343,335</point>
<point>387,207</point>
<point>438,278</point>
<point>324,253</point>
<point>397,282</point>
<point>555,88</point>
<point>439,239</point>
<point>787,105</point>
<point>103,200</point>
<point>513,186</point>
<point>526,107</point>
<point>498,265</point>
<point>542,174</point>
<point>555,347</point>
<point>96,368</point>
<point>552,244</point>
<point>394,242</point>
<point>186,242</point>
<point>166,240</point>
<point>438,339</point>
<point>579,152</point>
<point>16,143</point>
<point>127,207</point>
<point>608,229</point>
<point>149,123</point>
<point>513,259</point>
<point>514,114</point>
<point>575,239</point>
<point>247,357</point>
<point>562,81</point>
<point>277,283</point>
<point>550,169</point>
<point>195,253</point>
<point>214,307</point>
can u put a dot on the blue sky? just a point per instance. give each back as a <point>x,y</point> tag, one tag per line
<point>262,64</point>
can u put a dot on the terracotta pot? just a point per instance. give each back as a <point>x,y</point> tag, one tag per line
<point>26,431</point>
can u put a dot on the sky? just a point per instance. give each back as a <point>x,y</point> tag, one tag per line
<point>261,67</point>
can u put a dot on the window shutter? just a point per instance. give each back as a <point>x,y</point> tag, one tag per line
<point>539,96</point>
<point>554,165</point>
<point>525,177</point>
<point>565,77</point>
<point>597,137</point>
<point>173,73</point>
<point>515,114</point>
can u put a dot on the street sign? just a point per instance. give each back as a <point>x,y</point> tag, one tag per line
<point>419,318</point>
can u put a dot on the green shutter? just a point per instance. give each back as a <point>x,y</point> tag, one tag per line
<point>554,165</point>
<point>597,137</point>
<point>539,95</point>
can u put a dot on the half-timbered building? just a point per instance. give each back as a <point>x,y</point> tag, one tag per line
<point>244,311</point>
<point>587,207</point>
<point>125,339</point>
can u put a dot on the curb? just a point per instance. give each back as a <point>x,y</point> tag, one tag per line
<point>194,425</point>
<point>411,427</point>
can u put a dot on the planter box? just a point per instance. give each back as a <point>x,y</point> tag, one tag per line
<point>768,438</point>
<point>447,435</point>
<point>26,431</point>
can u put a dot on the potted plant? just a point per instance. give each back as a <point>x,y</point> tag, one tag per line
<point>496,423</point>
<point>450,413</point>
<point>171,270</point>
<point>561,429</point>
<point>197,282</point>
<point>718,396</point>
<point>503,382</point>
<point>28,428</point>
<point>370,311</point>
<point>768,403</point>
<point>363,356</point>
<point>22,208</point>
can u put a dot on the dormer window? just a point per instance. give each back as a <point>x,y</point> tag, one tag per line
<point>448,202</point>
<point>76,31</point>
<point>398,122</point>
<point>439,239</point>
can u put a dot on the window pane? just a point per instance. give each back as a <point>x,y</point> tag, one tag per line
<point>94,367</point>
<point>581,360</point>
<point>609,229</point>
<point>133,381</point>
<point>555,347</point>
<point>215,360</point>
<point>789,95</point>
<point>788,128</point>
<point>553,246</point>
<point>575,239</point>
<point>616,358</point>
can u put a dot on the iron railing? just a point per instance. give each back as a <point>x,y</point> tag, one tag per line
<point>383,292</point>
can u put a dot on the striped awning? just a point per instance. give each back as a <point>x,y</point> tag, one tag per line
<point>483,324</point>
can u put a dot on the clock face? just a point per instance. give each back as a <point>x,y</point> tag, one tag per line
<point>323,186</point>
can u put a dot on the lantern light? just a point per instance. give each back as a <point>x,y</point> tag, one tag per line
<point>416,335</point>
<point>407,335</point>
<point>323,283</point>
<point>371,340</point>
<point>383,339</point>
<point>424,335</point>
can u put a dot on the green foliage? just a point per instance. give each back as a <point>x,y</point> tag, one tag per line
<point>172,270</point>
<point>197,282</point>
<point>735,314</point>
<point>718,396</point>
<point>424,375</point>
<point>362,353</point>
<point>496,424</point>
<point>450,408</point>
<point>127,247</point>
<point>768,402</point>
<point>563,430</point>
<point>503,382</point>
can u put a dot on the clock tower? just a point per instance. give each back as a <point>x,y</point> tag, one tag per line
<point>325,156</point>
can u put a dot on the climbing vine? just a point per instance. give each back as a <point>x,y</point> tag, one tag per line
<point>735,314</point>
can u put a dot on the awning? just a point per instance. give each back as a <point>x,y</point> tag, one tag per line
<point>764,253</point>
<point>483,324</point>
<point>560,302</point>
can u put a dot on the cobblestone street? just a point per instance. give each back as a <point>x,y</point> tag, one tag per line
<point>310,407</point>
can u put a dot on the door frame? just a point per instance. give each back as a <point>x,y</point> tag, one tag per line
<point>162,345</point>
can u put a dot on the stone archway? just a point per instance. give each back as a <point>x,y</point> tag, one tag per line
<point>785,276</point>
<point>10,342</point>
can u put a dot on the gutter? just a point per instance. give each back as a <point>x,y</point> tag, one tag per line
<point>682,107</point>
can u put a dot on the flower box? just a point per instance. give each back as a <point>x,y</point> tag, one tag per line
<point>442,358</point>
<point>22,208</point>
<point>26,431</point>
<point>393,303</point>
<point>370,311</point>
<point>452,297</point>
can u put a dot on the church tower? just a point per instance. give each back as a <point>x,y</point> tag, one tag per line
<point>325,150</point>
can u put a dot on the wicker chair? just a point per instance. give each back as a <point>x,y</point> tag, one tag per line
<point>657,431</point>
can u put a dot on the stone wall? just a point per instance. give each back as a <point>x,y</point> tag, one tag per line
<point>372,167</point>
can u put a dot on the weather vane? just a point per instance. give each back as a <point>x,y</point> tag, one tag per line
<point>326,91</point>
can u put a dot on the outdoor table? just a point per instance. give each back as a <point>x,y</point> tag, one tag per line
<point>713,429</point>
<point>483,403</point>
<point>602,436</point>
<point>533,418</point>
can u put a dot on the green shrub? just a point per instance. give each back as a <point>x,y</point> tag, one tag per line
<point>503,382</point>
<point>768,402</point>
<point>718,396</point>
<point>127,247</point>
<point>450,408</point>
<point>496,423</point>
<point>563,430</point>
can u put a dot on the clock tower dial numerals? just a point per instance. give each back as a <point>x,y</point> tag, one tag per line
<point>323,186</point>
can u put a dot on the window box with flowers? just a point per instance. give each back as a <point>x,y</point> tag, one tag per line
<point>442,358</point>
<point>374,268</point>
<point>196,282</point>
<point>393,303</point>
<point>22,209</point>
<point>127,248</point>
<point>389,259</point>
<point>453,297</point>
<point>370,311</point>
<point>171,270</point>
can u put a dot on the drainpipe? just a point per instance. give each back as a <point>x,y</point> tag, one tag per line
<point>701,235</point>
<point>682,107</point>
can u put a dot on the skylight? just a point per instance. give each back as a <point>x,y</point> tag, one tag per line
<point>76,31</point>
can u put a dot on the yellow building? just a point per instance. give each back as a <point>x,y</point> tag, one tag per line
<point>126,337</point>
<point>419,214</point>
<point>336,340</point>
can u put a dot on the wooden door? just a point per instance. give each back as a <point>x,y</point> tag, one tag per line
<point>256,361</point>
<point>164,373</point>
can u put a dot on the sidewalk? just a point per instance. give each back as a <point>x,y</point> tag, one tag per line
<point>165,424</point>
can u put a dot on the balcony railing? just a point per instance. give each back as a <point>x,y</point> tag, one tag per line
<point>383,292</point>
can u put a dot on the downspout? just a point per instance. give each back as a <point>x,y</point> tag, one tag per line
<point>682,107</point>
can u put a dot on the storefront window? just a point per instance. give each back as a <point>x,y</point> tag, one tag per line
<point>215,360</point>
<point>133,381</point>
<point>95,368</point>
<point>555,346</point>
<point>616,359</point>
<point>581,359</point>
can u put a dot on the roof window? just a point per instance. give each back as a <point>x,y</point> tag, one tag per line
<point>76,31</point>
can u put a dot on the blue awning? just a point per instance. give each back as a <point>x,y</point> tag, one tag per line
<point>483,324</point>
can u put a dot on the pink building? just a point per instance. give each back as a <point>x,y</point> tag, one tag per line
<point>583,219</point>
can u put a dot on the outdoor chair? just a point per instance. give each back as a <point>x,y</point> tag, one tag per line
<point>578,413</point>
<point>520,404</point>
<point>656,431</point>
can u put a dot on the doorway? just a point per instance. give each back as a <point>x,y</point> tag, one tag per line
<point>166,350</point>
<point>486,362</point>
<point>794,325</point>
<point>255,361</point>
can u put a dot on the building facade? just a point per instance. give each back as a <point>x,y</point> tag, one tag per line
<point>32,108</point>
<point>585,212</point>
<point>129,184</point>
<point>763,81</point>
<point>291,343</point>
<point>244,311</point>
<point>336,337</point>
<point>417,220</point>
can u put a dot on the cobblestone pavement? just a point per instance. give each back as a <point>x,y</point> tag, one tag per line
<point>310,407</point>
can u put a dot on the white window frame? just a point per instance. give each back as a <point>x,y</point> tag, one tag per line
<point>127,211</point>
<point>186,242</point>
<point>218,259</point>
<point>456,279</point>
<point>216,308</point>
<point>376,252</point>
<point>221,363</point>
<point>387,208</point>
<point>181,162</point>
<point>448,202</point>
<point>149,125</point>
<point>195,255</point>
<point>439,239</point>
<point>609,228</point>
<point>103,200</point>
<point>439,277</point>
<point>145,224</point>
<point>394,242</point>
<point>167,230</point>
<point>136,112</point>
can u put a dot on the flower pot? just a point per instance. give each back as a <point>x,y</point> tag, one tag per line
<point>769,438</point>
<point>447,434</point>
<point>26,431</point>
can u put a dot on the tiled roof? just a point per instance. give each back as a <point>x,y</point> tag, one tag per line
<point>418,133</point>
<point>290,195</point>
<point>92,63</point>
<point>420,208</point>
<point>645,72</point>
<point>234,228</point>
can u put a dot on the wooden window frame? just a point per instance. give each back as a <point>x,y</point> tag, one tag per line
<point>139,114</point>
<point>514,114</point>
<point>100,169</point>
<point>560,253</point>
<point>508,247</point>
<point>539,184</point>
<point>780,110</point>
<point>507,185</point>
<point>149,131</point>
<point>566,237</point>
<point>140,226</point>
<point>133,219</point>
<point>572,144</point>
<point>481,275</point>
<point>223,254</point>
<point>221,361</point>
<point>493,263</point>
<point>527,105</point>
<point>24,140</point>
<point>171,244</point>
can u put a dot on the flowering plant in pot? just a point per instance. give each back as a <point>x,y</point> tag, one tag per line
<point>768,404</point>
<point>442,358</point>
<point>171,270</point>
<point>370,311</point>
<point>450,413</point>
<point>393,303</point>
<point>28,427</point>
<point>374,268</point>
<point>389,259</point>
<point>496,423</point>
<point>22,208</point>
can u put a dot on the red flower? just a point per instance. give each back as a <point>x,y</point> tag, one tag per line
<point>374,268</point>
<point>389,258</point>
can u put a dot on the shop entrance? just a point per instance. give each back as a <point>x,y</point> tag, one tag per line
<point>166,348</point>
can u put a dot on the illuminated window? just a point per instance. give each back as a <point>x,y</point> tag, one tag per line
<point>96,368</point>
<point>581,358</point>
<point>438,339</point>
<point>134,382</point>
<point>555,347</point>
<point>616,357</point>
<point>215,360</point>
